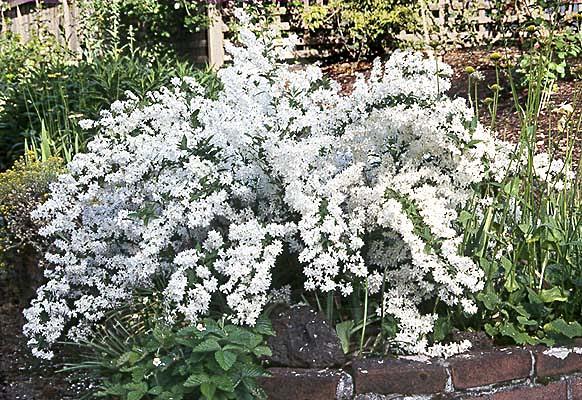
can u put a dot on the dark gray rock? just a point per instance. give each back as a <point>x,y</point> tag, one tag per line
<point>304,339</point>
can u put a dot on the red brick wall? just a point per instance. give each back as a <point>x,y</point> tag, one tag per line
<point>500,374</point>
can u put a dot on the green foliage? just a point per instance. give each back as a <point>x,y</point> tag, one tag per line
<point>20,62</point>
<point>44,100</point>
<point>364,28</point>
<point>557,53</point>
<point>552,40</point>
<point>344,332</point>
<point>528,238</point>
<point>159,26</point>
<point>213,360</point>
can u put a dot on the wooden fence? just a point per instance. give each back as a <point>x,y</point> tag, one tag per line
<point>25,18</point>
<point>474,20</point>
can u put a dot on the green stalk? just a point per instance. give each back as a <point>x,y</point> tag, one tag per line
<point>365,319</point>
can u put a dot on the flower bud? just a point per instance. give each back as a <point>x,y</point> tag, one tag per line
<point>496,56</point>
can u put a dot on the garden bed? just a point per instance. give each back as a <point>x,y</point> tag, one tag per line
<point>493,374</point>
<point>509,373</point>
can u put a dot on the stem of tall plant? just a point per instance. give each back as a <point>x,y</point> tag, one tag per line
<point>329,306</point>
<point>365,322</point>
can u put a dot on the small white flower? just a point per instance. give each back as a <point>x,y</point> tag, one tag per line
<point>157,362</point>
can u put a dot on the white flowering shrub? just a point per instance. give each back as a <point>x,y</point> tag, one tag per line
<point>212,192</point>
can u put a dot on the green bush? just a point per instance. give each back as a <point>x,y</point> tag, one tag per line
<point>364,28</point>
<point>20,62</point>
<point>22,189</point>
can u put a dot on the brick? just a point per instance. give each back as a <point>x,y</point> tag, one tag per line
<point>490,367</point>
<point>306,384</point>
<point>399,376</point>
<point>552,365</point>
<point>552,391</point>
<point>576,385</point>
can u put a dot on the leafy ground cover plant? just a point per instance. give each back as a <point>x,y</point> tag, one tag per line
<point>212,360</point>
<point>277,172</point>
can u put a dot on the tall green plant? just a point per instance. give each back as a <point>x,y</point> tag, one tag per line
<point>42,109</point>
<point>526,233</point>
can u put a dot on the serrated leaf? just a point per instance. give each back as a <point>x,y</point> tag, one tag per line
<point>224,383</point>
<point>207,346</point>
<point>196,380</point>
<point>264,327</point>
<point>253,387</point>
<point>225,359</point>
<point>253,371</point>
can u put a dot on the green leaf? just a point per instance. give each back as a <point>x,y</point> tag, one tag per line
<point>559,326</point>
<point>553,294</point>
<point>207,346</point>
<point>260,351</point>
<point>465,217</point>
<point>344,332</point>
<point>526,322</point>
<point>254,388</point>
<point>264,327</point>
<point>156,390</point>
<point>511,284</point>
<point>520,337</point>
<point>196,380</point>
<point>208,390</point>
<point>253,371</point>
<point>225,359</point>
<point>224,383</point>
<point>442,328</point>
<point>491,330</point>
<point>135,395</point>
<point>490,299</point>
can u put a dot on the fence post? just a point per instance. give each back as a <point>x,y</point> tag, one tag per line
<point>71,37</point>
<point>215,37</point>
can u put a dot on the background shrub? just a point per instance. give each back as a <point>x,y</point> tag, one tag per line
<point>363,28</point>
<point>22,189</point>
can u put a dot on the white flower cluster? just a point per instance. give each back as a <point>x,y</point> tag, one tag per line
<point>211,192</point>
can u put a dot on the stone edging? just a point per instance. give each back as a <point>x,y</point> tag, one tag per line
<point>513,373</point>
